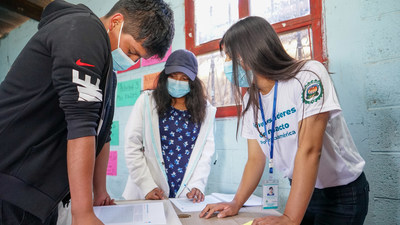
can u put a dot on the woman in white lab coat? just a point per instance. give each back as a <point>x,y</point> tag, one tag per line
<point>169,140</point>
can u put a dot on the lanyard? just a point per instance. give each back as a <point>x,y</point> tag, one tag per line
<point>271,152</point>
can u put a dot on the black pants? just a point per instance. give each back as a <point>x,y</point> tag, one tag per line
<point>341,205</point>
<point>13,215</point>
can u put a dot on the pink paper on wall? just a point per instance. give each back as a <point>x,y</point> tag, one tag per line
<point>137,65</point>
<point>154,60</point>
<point>112,164</point>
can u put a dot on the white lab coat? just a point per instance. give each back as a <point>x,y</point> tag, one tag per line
<point>144,157</point>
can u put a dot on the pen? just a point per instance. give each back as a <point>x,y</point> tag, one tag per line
<point>194,197</point>
<point>187,187</point>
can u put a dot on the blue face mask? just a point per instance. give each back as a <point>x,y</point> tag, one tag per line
<point>120,60</point>
<point>177,88</point>
<point>228,69</point>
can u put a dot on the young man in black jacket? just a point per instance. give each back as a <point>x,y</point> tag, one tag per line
<point>57,104</point>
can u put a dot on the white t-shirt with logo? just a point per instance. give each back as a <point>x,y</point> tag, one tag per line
<point>298,99</point>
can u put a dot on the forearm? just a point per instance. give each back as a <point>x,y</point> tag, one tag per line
<point>304,178</point>
<point>306,165</point>
<point>100,169</point>
<point>251,177</point>
<point>80,163</point>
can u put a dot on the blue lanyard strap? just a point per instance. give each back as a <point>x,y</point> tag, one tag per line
<point>271,152</point>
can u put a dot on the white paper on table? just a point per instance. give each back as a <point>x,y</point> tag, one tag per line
<point>187,205</point>
<point>252,201</point>
<point>136,214</point>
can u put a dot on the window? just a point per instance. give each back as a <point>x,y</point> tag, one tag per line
<point>211,72</point>
<point>215,18</point>
<point>275,11</point>
<point>297,22</point>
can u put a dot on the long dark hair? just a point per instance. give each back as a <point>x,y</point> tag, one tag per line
<point>255,43</point>
<point>195,100</point>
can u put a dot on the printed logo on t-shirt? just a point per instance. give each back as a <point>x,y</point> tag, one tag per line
<point>88,92</point>
<point>282,129</point>
<point>80,63</point>
<point>313,91</point>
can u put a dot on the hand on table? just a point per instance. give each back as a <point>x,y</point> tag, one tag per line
<point>155,194</point>
<point>273,220</point>
<point>224,208</point>
<point>86,218</point>
<point>196,195</point>
<point>101,199</point>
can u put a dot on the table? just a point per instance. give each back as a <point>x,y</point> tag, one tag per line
<point>245,215</point>
<point>175,217</point>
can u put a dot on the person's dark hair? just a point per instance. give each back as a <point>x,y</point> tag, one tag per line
<point>254,42</point>
<point>149,20</point>
<point>195,100</point>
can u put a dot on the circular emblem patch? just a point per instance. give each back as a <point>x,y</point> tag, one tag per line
<point>313,92</point>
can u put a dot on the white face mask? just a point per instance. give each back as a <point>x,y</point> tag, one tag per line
<point>177,88</point>
<point>242,78</point>
<point>120,60</point>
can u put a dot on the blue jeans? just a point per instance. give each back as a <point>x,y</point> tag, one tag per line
<point>13,215</point>
<point>341,205</point>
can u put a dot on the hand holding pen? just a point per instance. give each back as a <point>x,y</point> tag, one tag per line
<point>194,194</point>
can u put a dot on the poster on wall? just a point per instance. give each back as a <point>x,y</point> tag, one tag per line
<point>112,164</point>
<point>150,81</point>
<point>128,92</point>
<point>154,60</point>
<point>136,66</point>
<point>115,133</point>
<point>147,62</point>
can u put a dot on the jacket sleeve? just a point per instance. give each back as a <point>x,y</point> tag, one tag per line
<point>79,50</point>
<point>134,154</point>
<point>202,171</point>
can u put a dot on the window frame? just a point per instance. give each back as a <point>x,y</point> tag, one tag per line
<point>313,20</point>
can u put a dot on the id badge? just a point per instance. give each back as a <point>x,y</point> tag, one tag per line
<point>270,194</point>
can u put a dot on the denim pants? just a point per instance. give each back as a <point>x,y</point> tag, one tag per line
<point>13,215</point>
<point>341,205</point>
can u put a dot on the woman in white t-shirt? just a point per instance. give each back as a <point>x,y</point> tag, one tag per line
<point>311,143</point>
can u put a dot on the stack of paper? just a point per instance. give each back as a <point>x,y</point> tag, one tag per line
<point>186,205</point>
<point>136,214</point>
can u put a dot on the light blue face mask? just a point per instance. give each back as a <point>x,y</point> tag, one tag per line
<point>177,88</point>
<point>228,70</point>
<point>120,60</point>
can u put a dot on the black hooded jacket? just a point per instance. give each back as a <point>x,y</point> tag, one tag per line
<point>60,87</point>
